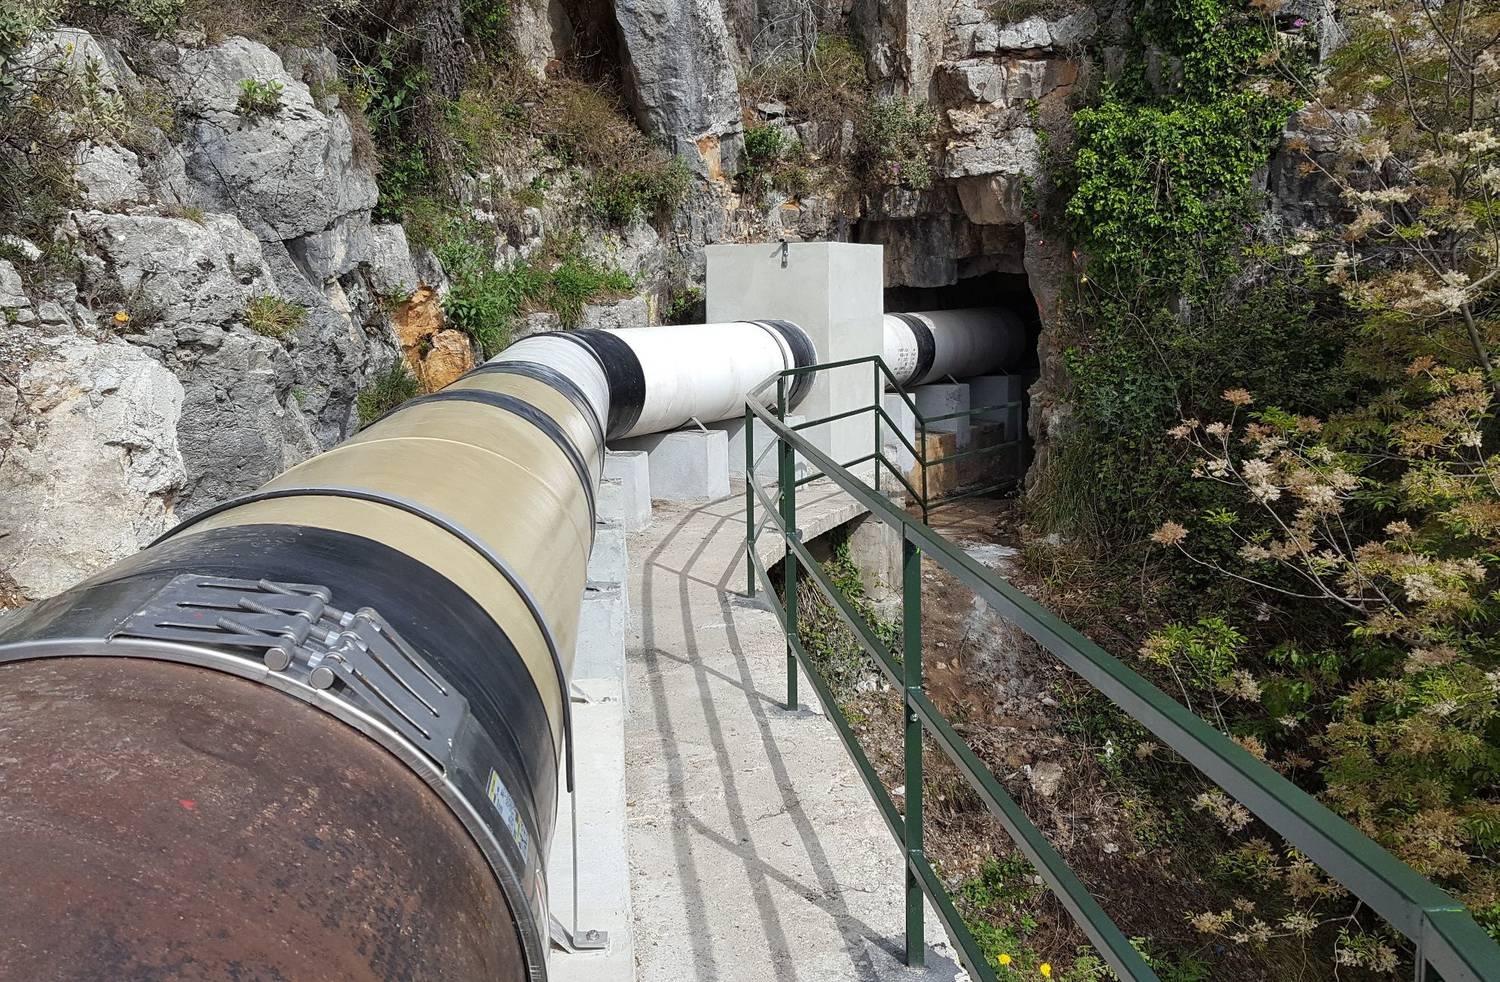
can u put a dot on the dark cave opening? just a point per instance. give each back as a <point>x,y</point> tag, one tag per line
<point>1010,290</point>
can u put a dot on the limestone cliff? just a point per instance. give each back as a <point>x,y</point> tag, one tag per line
<point>218,291</point>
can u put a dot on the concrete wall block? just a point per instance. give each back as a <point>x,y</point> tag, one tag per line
<point>834,292</point>
<point>875,550</point>
<point>600,650</point>
<point>632,470</point>
<point>685,465</point>
<point>941,399</point>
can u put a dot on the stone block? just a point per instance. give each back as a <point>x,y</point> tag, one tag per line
<point>685,465</point>
<point>997,390</point>
<point>632,470</point>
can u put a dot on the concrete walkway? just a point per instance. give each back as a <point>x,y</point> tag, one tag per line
<point>755,852</point>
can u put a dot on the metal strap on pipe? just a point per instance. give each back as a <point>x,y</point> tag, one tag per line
<point>623,372</point>
<point>550,376</point>
<point>453,529</point>
<point>804,354</point>
<point>926,346</point>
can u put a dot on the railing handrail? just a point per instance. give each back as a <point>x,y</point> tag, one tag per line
<point>1445,935</point>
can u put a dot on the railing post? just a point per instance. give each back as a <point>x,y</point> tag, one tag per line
<point>749,502</point>
<point>875,412</point>
<point>911,666</point>
<point>786,457</point>
<point>922,445</point>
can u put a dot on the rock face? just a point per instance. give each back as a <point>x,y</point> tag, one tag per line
<point>150,388</point>
<point>175,272</point>
<point>679,66</point>
<point>435,354</point>
<point>288,173</point>
<point>89,459</point>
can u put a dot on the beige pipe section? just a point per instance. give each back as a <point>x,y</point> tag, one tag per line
<point>486,470</point>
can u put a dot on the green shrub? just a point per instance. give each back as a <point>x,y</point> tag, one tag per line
<point>36,171</point>
<point>403,180</point>
<point>831,85</point>
<point>155,18</point>
<point>831,645</point>
<point>489,123</point>
<point>586,125</point>
<point>260,97</point>
<point>764,146</point>
<point>386,391</point>
<point>485,25</point>
<point>576,282</point>
<point>483,301</point>
<point>275,317</point>
<point>1160,192</point>
<point>651,189</point>
<point>533,195</point>
<point>895,144</point>
<point>686,306</point>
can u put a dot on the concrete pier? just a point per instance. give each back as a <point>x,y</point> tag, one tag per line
<point>684,465</point>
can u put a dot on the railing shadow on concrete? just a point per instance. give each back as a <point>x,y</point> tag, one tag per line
<point>1444,936</point>
<point>678,564</point>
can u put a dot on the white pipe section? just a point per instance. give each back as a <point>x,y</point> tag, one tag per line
<point>959,343</point>
<point>652,379</point>
<point>702,371</point>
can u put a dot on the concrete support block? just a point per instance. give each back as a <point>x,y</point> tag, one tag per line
<point>765,443</point>
<point>940,400</point>
<point>604,900</point>
<point>632,470</point>
<point>609,503</point>
<point>995,390</point>
<point>685,465</point>
<point>600,650</point>
<point>906,425</point>
<point>610,561</point>
<point>875,550</point>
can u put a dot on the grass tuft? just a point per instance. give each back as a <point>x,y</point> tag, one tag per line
<point>275,317</point>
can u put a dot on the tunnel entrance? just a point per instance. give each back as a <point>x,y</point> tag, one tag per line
<point>993,450</point>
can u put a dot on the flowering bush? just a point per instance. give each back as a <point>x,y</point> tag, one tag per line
<point>1391,516</point>
<point>1402,123</point>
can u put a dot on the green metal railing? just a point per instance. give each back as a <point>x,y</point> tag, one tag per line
<point>1444,936</point>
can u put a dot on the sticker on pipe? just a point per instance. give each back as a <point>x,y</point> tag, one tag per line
<point>500,797</point>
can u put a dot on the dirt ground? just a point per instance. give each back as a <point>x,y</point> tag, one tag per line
<point>10,593</point>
